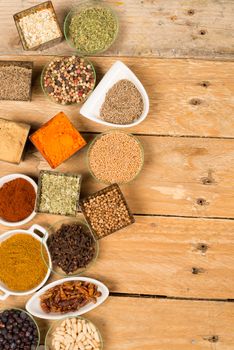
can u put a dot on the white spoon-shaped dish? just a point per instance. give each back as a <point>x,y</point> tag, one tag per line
<point>34,308</point>
<point>91,108</point>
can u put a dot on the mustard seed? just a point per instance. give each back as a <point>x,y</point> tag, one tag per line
<point>115,157</point>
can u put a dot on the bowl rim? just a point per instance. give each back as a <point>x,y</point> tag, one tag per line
<point>62,57</point>
<point>8,178</point>
<point>110,132</point>
<point>58,322</point>
<point>31,233</point>
<point>50,230</point>
<point>32,318</point>
<point>90,3</point>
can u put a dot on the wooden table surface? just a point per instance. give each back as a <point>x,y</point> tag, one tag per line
<point>171,273</point>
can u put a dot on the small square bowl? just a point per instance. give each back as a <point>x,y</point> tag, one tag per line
<point>32,10</point>
<point>57,132</point>
<point>104,191</point>
<point>39,191</point>
<point>24,64</point>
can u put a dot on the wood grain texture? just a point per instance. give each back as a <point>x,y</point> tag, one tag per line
<point>187,97</point>
<point>181,176</point>
<point>174,257</point>
<point>159,28</point>
<point>152,324</point>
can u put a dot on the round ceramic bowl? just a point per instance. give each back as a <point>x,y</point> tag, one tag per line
<point>97,138</point>
<point>11,177</point>
<point>82,6</point>
<point>5,292</point>
<point>52,230</point>
<point>72,103</point>
<point>31,317</point>
<point>49,336</point>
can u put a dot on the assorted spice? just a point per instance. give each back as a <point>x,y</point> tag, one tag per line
<point>72,247</point>
<point>76,333</point>
<point>92,29</point>
<point>17,331</point>
<point>15,80</point>
<point>13,138</point>
<point>17,200</point>
<point>69,79</point>
<point>123,103</point>
<point>106,211</point>
<point>22,267</point>
<point>58,193</point>
<point>38,26</point>
<point>115,157</point>
<point>69,297</point>
<point>57,140</point>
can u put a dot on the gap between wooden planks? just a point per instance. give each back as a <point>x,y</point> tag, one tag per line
<point>181,176</point>
<point>152,324</point>
<point>187,97</point>
<point>173,257</point>
<point>168,28</point>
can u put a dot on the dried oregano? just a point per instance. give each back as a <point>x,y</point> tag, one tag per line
<point>59,194</point>
<point>93,29</point>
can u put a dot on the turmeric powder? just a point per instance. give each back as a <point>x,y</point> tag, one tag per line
<point>22,267</point>
<point>57,140</point>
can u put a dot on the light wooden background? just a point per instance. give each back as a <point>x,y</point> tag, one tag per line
<point>171,274</point>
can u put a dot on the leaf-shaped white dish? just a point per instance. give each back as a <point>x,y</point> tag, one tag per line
<point>91,108</point>
<point>33,304</point>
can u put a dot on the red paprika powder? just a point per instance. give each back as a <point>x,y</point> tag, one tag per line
<point>17,200</point>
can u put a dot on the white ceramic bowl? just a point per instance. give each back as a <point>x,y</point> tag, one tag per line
<point>34,308</point>
<point>5,292</point>
<point>91,108</point>
<point>11,177</point>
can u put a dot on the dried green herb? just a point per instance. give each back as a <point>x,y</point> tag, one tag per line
<point>93,29</point>
<point>59,193</point>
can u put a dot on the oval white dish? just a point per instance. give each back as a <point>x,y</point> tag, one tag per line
<point>91,108</point>
<point>5,292</point>
<point>34,308</point>
<point>11,177</point>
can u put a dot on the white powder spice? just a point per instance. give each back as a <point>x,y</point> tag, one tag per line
<point>39,28</point>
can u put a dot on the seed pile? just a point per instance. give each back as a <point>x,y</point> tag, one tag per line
<point>106,211</point>
<point>17,331</point>
<point>58,193</point>
<point>92,29</point>
<point>15,83</point>
<point>123,103</point>
<point>72,247</point>
<point>69,297</point>
<point>115,157</point>
<point>69,79</point>
<point>39,27</point>
<point>76,333</point>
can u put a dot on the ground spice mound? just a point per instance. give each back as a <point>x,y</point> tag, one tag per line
<point>123,103</point>
<point>15,83</point>
<point>22,267</point>
<point>115,157</point>
<point>17,200</point>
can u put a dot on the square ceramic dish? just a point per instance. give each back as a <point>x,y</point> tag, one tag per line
<point>34,10</point>
<point>104,192</point>
<point>91,108</point>
<point>13,137</point>
<point>40,190</point>
<point>57,140</point>
<point>24,64</point>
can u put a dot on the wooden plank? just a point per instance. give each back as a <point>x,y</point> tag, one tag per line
<point>162,28</point>
<point>176,257</point>
<point>152,324</point>
<point>187,97</point>
<point>181,176</point>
